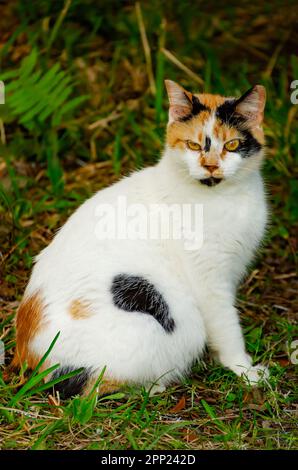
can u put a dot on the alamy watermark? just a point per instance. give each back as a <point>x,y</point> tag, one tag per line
<point>135,221</point>
<point>2,92</point>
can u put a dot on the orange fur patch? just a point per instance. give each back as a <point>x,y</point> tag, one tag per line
<point>107,386</point>
<point>212,101</point>
<point>223,132</point>
<point>28,324</point>
<point>179,132</point>
<point>258,134</point>
<point>79,309</point>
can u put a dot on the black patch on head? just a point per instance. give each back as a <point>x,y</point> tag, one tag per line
<point>197,107</point>
<point>73,386</point>
<point>227,114</point>
<point>207,144</point>
<point>211,181</point>
<point>248,145</point>
<point>136,294</point>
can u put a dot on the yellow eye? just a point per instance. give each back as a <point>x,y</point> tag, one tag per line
<point>232,145</point>
<point>193,145</point>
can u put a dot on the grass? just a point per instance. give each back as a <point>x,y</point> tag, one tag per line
<point>112,62</point>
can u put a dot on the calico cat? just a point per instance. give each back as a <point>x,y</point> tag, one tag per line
<point>145,309</point>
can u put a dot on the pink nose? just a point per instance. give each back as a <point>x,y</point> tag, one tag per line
<point>211,163</point>
<point>211,168</point>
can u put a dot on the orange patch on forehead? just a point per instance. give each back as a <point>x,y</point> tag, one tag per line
<point>28,324</point>
<point>79,309</point>
<point>179,132</point>
<point>211,101</point>
<point>223,132</point>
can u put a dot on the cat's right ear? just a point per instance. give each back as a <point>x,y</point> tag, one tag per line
<point>180,101</point>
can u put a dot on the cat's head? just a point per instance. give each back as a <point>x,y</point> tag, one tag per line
<point>214,137</point>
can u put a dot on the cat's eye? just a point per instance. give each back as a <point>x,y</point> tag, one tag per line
<point>232,145</point>
<point>193,145</point>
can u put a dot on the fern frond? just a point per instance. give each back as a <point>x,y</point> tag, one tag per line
<point>35,97</point>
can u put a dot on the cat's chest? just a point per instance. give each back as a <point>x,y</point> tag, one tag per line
<point>235,215</point>
<point>230,232</point>
<point>226,219</point>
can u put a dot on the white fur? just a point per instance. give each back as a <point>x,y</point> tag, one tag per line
<point>199,286</point>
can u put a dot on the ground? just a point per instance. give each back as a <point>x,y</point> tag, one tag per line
<point>50,163</point>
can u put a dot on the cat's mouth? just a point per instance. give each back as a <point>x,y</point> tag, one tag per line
<point>211,181</point>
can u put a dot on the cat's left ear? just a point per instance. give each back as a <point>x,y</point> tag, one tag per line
<point>251,105</point>
<point>180,101</point>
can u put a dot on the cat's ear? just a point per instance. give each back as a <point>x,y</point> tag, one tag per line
<point>251,105</point>
<point>180,101</point>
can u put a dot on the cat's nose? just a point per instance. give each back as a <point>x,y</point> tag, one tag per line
<point>211,164</point>
<point>210,168</point>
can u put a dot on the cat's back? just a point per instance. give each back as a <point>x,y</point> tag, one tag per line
<point>83,247</point>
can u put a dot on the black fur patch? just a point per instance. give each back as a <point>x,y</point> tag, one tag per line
<point>207,144</point>
<point>197,107</point>
<point>73,386</point>
<point>248,145</point>
<point>228,115</point>
<point>136,294</point>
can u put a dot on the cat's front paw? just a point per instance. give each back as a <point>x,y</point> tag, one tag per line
<point>255,374</point>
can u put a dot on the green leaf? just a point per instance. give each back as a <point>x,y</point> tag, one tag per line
<point>35,376</point>
<point>35,97</point>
